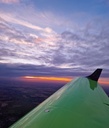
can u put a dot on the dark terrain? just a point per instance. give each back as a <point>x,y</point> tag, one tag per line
<point>18,98</point>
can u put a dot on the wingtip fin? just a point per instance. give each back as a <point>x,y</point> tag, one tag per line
<point>95,75</point>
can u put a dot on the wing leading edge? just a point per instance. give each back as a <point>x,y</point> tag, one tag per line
<point>75,105</point>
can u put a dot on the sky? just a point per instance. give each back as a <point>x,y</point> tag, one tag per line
<point>54,38</point>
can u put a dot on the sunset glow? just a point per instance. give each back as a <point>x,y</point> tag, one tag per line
<point>102,81</point>
<point>44,78</point>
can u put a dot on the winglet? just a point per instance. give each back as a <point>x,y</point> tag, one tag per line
<point>95,75</point>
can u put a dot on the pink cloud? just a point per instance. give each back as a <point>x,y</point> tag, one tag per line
<point>9,1</point>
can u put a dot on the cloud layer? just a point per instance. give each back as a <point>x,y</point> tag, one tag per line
<point>59,44</point>
<point>9,1</point>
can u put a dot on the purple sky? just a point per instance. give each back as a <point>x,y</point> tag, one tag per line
<point>53,37</point>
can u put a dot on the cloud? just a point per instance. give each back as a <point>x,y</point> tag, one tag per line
<point>9,1</point>
<point>47,39</point>
<point>88,51</point>
<point>17,46</point>
<point>11,19</point>
<point>34,18</point>
<point>18,70</point>
<point>78,50</point>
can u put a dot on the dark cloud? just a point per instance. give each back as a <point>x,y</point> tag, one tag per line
<point>18,70</point>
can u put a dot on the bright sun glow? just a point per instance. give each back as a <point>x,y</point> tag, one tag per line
<point>102,81</point>
<point>40,78</point>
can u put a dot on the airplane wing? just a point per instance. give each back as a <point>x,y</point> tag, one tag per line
<point>81,103</point>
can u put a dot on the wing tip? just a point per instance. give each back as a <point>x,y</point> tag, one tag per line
<point>95,75</point>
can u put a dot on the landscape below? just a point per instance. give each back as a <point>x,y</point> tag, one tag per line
<point>17,98</point>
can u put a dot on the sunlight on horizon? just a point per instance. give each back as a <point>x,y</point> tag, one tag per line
<point>102,81</point>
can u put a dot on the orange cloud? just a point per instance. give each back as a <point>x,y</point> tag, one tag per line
<point>102,81</point>
<point>46,79</point>
<point>39,40</point>
<point>9,1</point>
